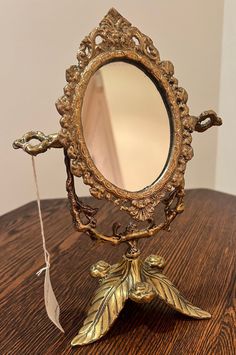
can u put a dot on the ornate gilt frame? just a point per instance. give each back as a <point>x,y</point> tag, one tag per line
<point>121,41</point>
<point>116,39</point>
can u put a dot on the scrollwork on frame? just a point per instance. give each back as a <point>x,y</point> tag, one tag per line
<point>116,39</point>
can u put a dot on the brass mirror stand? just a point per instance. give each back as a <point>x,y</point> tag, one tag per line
<point>115,39</point>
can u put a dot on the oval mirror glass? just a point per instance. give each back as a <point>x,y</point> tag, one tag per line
<point>126,126</point>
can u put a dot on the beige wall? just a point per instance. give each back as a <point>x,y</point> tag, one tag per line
<point>226,159</point>
<point>39,40</point>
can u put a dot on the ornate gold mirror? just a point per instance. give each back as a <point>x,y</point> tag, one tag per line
<point>126,130</point>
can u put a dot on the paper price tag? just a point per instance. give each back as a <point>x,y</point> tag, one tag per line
<point>51,304</point>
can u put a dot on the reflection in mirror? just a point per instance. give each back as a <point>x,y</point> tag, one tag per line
<point>126,126</point>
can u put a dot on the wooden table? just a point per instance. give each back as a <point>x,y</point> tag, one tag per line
<point>200,257</point>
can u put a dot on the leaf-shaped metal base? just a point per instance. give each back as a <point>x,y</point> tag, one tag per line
<point>166,291</point>
<point>131,278</point>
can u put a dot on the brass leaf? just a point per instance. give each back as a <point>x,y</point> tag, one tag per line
<point>169,294</point>
<point>106,305</point>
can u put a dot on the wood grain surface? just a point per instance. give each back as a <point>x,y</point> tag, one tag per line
<point>200,261</point>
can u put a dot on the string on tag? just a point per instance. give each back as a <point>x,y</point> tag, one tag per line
<point>46,253</point>
<point>51,304</point>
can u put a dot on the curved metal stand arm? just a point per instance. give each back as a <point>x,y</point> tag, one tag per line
<point>84,216</point>
<point>206,120</point>
<point>46,142</point>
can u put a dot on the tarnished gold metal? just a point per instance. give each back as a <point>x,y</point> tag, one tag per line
<point>46,142</point>
<point>131,278</point>
<point>115,39</point>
